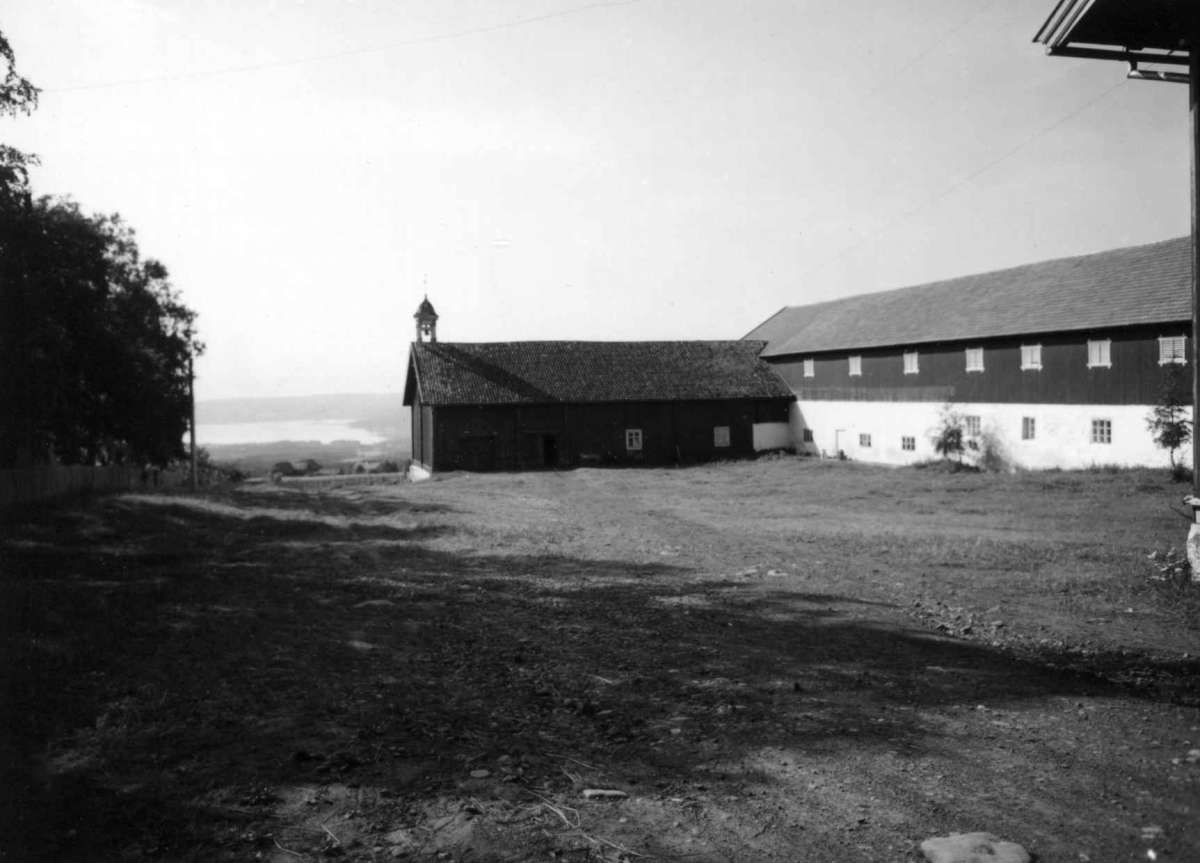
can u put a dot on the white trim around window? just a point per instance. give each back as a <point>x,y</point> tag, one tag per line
<point>912,363</point>
<point>633,440</point>
<point>809,366</point>
<point>974,359</point>
<point>1099,353</point>
<point>855,366</point>
<point>1031,357</point>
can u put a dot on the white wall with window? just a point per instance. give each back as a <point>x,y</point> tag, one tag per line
<point>1033,436</point>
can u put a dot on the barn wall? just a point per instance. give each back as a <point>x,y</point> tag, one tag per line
<point>1134,378</point>
<point>427,428</point>
<point>511,437</point>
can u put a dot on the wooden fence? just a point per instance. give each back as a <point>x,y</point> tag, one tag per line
<point>52,481</point>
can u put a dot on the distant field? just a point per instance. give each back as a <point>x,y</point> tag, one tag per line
<point>778,660</point>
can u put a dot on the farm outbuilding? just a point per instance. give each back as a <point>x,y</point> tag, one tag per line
<point>525,405</point>
<point>1052,364</point>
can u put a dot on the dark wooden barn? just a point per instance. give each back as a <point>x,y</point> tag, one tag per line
<point>524,405</point>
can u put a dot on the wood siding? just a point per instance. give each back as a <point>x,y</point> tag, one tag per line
<point>1135,376</point>
<point>510,437</point>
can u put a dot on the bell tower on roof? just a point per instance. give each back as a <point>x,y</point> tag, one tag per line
<point>426,319</point>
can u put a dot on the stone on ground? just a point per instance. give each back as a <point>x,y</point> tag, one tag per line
<point>973,848</point>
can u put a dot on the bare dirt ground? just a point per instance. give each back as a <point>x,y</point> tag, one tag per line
<point>778,660</point>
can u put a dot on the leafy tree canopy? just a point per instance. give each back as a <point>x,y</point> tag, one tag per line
<point>17,96</point>
<point>95,343</point>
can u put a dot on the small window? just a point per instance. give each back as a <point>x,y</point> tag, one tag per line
<point>633,440</point>
<point>1028,428</point>
<point>864,440</point>
<point>1101,431</point>
<point>720,436</point>
<point>974,359</point>
<point>972,426</point>
<point>808,438</point>
<point>908,443</point>
<point>1100,354</point>
<point>855,366</point>
<point>1172,349</point>
<point>810,368</point>
<point>1031,357</point>
<point>911,363</point>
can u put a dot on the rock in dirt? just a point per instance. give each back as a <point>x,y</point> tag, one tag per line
<point>603,794</point>
<point>973,848</point>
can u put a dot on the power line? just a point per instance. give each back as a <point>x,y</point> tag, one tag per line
<point>929,49</point>
<point>353,52</point>
<point>958,184</point>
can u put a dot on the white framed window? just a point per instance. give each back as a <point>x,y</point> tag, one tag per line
<point>855,366</point>
<point>1172,349</point>
<point>1031,357</point>
<point>908,443</point>
<point>633,440</point>
<point>810,367</point>
<point>864,440</point>
<point>1028,428</point>
<point>911,363</point>
<point>974,359</point>
<point>720,436</point>
<point>972,426</point>
<point>1101,431</point>
<point>1100,353</point>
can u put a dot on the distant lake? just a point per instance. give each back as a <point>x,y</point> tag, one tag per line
<point>324,431</point>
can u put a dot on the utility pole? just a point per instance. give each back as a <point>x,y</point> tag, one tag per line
<point>192,421</point>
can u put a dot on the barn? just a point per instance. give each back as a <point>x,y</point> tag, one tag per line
<point>1051,364</point>
<point>527,405</point>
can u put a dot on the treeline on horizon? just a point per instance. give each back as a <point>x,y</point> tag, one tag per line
<point>95,344</point>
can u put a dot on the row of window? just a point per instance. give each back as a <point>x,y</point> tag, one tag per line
<point>1101,432</point>
<point>1171,350</point>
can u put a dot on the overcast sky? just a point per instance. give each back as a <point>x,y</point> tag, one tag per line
<point>656,169</point>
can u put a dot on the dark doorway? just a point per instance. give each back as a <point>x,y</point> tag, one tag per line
<point>549,450</point>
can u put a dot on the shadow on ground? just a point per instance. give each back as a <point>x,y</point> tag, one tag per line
<point>170,665</point>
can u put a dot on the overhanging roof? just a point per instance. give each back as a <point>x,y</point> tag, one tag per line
<point>1145,31</point>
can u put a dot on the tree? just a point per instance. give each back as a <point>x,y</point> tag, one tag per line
<point>94,343</point>
<point>1168,422</point>
<point>17,96</point>
<point>948,439</point>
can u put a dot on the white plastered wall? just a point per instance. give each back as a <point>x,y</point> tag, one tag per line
<point>1062,433</point>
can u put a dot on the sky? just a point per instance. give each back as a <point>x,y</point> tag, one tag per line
<point>553,169</point>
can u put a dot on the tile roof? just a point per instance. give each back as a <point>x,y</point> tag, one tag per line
<point>497,373</point>
<point>1122,287</point>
